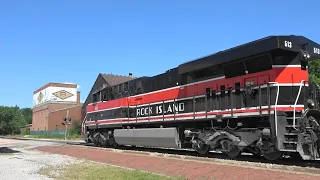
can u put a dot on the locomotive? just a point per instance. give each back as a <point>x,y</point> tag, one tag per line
<point>254,98</point>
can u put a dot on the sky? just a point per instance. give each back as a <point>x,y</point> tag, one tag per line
<point>75,40</point>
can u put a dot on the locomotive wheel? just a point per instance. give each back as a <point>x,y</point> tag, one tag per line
<point>204,150</point>
<point>270,152</point>
<point>96,143</point>
<point>234,152</point>
<point>272,156</point>
<point>105,143</point>
<point>96,139</point>
<point>200,147</point>
<point>229,149</point>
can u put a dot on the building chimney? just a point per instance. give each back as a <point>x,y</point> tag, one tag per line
<point>130,74</point>
<point>78,97</point>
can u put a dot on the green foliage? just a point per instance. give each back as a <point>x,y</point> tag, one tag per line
<point>27,131</point>
<point>93,170</point>
<point>13,118</point>
<point>76,127</point>
<point>27,114</point>
<point>314,71</point>
<point>74,132</point>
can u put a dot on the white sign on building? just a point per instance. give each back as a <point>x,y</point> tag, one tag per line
<point>55,94</point>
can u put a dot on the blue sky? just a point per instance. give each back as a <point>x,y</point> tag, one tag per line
<point>74,40</point>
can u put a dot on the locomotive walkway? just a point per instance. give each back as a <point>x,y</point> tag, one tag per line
<point>173,166</point>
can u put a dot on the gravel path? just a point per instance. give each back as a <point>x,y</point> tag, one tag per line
<point>19,162</point>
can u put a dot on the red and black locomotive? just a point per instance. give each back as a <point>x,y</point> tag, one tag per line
<point>251,98</point>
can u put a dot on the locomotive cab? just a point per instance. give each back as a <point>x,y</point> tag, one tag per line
<point>298,129</point>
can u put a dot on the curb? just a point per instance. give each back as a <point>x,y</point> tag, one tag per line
<point>47,140</point>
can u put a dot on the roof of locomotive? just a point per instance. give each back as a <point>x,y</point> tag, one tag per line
<point>252,48</point>
<point>113,79</point>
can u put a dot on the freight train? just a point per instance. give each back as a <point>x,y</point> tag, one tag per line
<point>254,98</point>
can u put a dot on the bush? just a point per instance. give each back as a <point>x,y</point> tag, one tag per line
<point>76,127</point>
<point>27,131</point>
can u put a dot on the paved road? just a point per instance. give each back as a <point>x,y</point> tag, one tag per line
<point>19,161</point>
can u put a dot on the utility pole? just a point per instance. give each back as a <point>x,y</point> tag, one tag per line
<point>67,118</point>
<point>66,121</point>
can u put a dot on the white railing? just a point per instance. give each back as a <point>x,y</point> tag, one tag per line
<point>83,126</point>
<point>295,104</point>
<point>275,106</point>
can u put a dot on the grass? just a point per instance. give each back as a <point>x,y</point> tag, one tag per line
<point>54,136</point>
<point>93,170</point>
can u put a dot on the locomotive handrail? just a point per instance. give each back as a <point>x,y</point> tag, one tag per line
<point>295,104</point>
<point>275,107</point>
<point>83,125</point>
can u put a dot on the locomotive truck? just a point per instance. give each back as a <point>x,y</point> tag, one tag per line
<point>254,98</point>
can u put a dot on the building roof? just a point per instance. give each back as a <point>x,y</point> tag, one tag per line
<point>28,125</point>
<point>113,79</point>
<point>52,84</point>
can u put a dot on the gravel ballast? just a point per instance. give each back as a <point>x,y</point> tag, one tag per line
<point>19,162</point>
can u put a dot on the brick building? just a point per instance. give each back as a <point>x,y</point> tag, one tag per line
<point>51,103</point>
<point>56,117</point>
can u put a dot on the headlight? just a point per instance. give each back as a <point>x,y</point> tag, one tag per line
<point>310,104</point>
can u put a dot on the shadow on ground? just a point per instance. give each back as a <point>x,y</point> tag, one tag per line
<point>6,150</point>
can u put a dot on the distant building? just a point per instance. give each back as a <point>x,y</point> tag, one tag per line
<point>51,103</point>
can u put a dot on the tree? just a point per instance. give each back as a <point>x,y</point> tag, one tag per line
<point>27,114</point>
<point>13,118</point>
<point>314,71</point>
<point>76,127</point>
